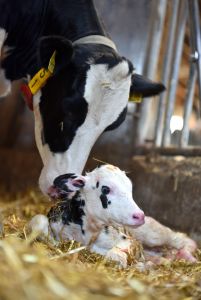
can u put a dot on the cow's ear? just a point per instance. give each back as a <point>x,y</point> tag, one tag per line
<point>145,87</point>
<point>63,48</point>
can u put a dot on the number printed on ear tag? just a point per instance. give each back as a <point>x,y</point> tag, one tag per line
<point>39,80</point>
<point>41,77</point>
<point>137,98</point>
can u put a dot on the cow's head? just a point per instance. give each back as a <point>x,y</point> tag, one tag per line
<point>87,94</point>
<point>107,192</point>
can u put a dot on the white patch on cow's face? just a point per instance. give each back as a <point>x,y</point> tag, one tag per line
<point>5,84</point>
<point>106,92</point>
<point>2,38</point>
<point>120,207</point>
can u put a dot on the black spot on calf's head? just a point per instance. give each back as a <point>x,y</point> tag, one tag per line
<point>105,190</point>
<point>97,184</point>
<point>104,200</point>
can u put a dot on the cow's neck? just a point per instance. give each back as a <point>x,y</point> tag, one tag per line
<point>77,19</point>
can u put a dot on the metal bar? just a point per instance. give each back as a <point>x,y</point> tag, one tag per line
<point>194,22</point>
<point>152,55</point>
<point>166,71</point>
<point>168,151</point>
<point>188,105</point>
<point>179,39</point>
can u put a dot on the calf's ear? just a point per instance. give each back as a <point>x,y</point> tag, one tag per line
<point>48,45</point>
<point>69,182</point>
<point>144,87</point>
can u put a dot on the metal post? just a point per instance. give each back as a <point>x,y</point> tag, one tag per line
<point>194,22</point>
<point>191,80</point>
<point>166,71</point>
<point>188,105</point>
<point>179,39</point>
<point>152,55</point>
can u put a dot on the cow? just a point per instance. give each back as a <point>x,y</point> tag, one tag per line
<point>92,209</point>
<point>78,83</point>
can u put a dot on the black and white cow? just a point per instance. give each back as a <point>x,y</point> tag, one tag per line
<point>89,89</point>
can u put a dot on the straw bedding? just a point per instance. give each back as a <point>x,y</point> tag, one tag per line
<point>30,269</point>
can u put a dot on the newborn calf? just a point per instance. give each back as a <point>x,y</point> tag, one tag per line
<point>91,204</point>
<point>101,198</point>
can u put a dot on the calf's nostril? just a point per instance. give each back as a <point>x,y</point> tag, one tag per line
<point>139,216</point>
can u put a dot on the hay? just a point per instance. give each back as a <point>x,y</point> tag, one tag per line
<point>33,270</point>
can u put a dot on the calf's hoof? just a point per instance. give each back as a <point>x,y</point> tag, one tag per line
<point>118,256</point>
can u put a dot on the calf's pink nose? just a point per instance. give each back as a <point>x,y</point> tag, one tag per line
<point>139,217</point>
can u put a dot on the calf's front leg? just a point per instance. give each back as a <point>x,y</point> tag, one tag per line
<point>113,244</point>
<point>39,226</point>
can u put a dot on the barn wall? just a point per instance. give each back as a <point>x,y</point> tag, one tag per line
<point>128,22</point>
<point>167,189</point>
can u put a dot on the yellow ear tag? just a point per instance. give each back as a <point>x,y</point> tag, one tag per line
<point>41,77</point>
<point>137,98</point>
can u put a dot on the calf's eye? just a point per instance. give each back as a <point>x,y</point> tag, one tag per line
<point>105,190</point>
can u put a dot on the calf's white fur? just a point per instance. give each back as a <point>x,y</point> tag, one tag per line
<point>87,216</point>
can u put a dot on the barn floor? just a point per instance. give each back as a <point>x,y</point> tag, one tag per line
<point>34,270</point>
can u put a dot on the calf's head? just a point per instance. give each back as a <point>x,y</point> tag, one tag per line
<point>87,94</point>
<point>107,192</point>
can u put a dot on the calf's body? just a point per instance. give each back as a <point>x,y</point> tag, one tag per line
<point>101,198</point>
<point>92,209</point>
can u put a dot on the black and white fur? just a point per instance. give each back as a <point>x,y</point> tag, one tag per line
<point>89,90</point>
<point>90,208</point>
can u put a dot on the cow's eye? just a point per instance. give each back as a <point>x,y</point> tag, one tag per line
<point>105,190</point>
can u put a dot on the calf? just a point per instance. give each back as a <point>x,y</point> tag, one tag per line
<point>80,84</point>
<point>92,204</point>
<point>101,198</point>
